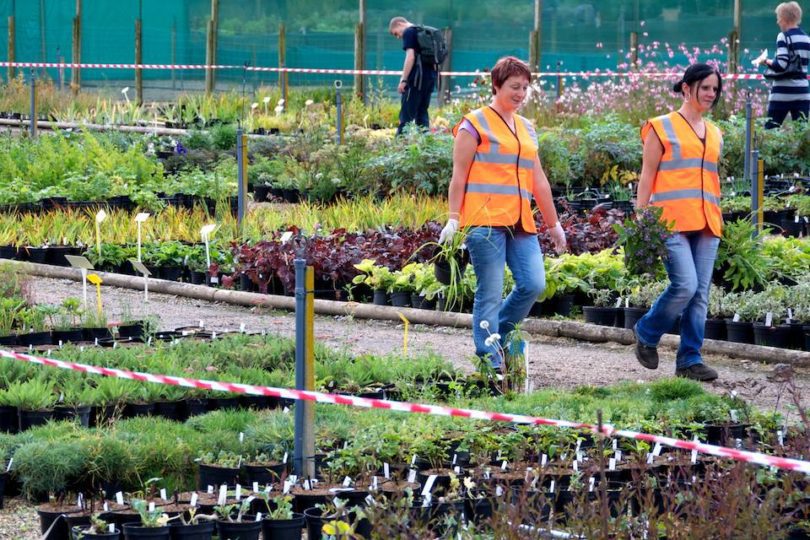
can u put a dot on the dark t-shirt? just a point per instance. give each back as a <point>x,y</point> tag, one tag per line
<point>411,41</point>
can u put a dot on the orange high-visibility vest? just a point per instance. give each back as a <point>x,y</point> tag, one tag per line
<point>687,185</point>
<point>501,178</point>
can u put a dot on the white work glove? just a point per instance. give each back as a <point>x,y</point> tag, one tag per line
<point>558,237</point>
<point>449,231</point>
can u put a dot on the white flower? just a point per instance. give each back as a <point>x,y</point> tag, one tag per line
<point>496,336</point>
<point>253,105</point>
<point>281,101</point>
<point>279,109</point>
<point>266,100</point>
<point>488,341</point>
<point>484,325</point>
<point>308,102</point>
<point>336,181</point>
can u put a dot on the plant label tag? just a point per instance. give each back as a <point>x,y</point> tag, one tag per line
<point>736,318</point>
<point>223,494</point>
<point>258,516</point>
<point>807,219</point>
<point>769,319</point>
<point>80,500</point>
<point>111,528</point>
<point>413,460</point>
<point>286,237</point>
<point>96,342</point>
<point>694,456</point>
<point>151,506</point>
<point>455,458</point>
<point>504,465</point>
<point>591,482</point>
<point>106,506</point>
<point>268,488</point>
<point>657,449</point>
<point>650,458</point>
<point>386,471</point>
<point>242,328</point>
<point>81,349</point>
<point>60,346</point>
<point>119,498</point>
<point>238,492</point>
<point>615,444</point>
<point>213,334</point>
<point>780,437</point>
<point>345,444</point>
<point>543,460</point>
<point>412,476</point>
<point>612,464</point>
<point>498,491</point>
<point>193,502</point>
<point>307,485</point>
<point>618,455</point>
<point>284,460</point>
<point>347,482</point>
<point>733,414</point>
<point>374,483</point>
<point>618,302</point>
<point>370,501</point>
<point>115,345</point>
<point>429,484</point>
<point>293,478</point>
<point>790,314</point>
<point>487,473</point>
<point>286,488</point>
<point>551,487</point>
<point>795,219</point>
<point>241,437</point>
<point>8,467</point>
<point>578,457</point>
<point>210,489</point>
<point>426,501</point>
<point>163,494</point>
<point>202,324</point>
<point>457,470</point>
<point>627,302</point>
<point>579,445</point>
<point>576,466</point>
<point>255,487</point>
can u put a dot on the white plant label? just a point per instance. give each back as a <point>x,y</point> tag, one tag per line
<point>242,328</point>
<point>615,444</point>
<point>736,318</point>
<point>8,467</point>
<point>210,489</point>
<point>119,498</point>
<point>657,449</point>
<point>627,302</point>
<point>578,457</point>
<point>268,488</point>
<point>429,484</point>
<point>241,437</point>
<point>504,465</point>
<point>769,319</point>
<point>80,500</point>
<point>694,456</point>
<point>293,478</point>
<point>733,414</point>
<point>790,314</point>
<point>286,237</point>
<point>258,516</point>
<point>193,502</point>
<point>386,471</point>
<point>576,466</point>
<point>151,506</point>
<point>591,482</point>
<point>106,506</point>
<point>457,470</point>
<point>286,488</point>
<point>238,492</point>
<point>223,494</point>
<point>370,501</point>
<point>285,458</point>
<point>795,219</point>
<point>551,487</point>
<point>374,483</point>
<point>455,458</point>
<point>426,500</point>
<point>618,455</point>
<point>780,437</point>
<point>413,460</point>
<point>412,476</point>
<point>650,458</point>
<point>543,460</point>
<point>612,464</point>
<point>619,302</point>
<point>306,485</point>
<point>498,491</point>
<point>202,324</point>
<point>111,527</point>
<point>347,482</point>
<point>255,487</point>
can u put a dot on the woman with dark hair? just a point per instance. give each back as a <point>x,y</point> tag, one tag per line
<point>679,174</point>
<point>496,171</point>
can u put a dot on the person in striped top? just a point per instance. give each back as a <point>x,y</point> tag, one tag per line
<point>789,95</point>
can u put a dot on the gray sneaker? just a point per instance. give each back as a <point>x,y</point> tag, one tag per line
<point>697,372</point>
<point>646,356</point>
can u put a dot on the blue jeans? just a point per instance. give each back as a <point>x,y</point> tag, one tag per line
<point>490,248</point>
<point>689,263</point>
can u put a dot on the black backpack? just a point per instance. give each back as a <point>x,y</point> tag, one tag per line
<point>432,47</point>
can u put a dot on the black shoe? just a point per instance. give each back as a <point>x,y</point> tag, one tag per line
<point>697,372</point>
<point>646,356</point>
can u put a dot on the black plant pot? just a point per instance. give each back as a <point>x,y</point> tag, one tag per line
<point>171,410</point>
<point>632,315</point>
<point>400,299</point>
<point>36,254</point>
<point>772,336</point>
<point>92,334</point>
<point>740,331</point>
<point>133,330</point>
<point>248,529</point>
<point>211,475</point>
<point>715,329</point>
<point>604,316</point>
<point>79,532</point>
<point>380,297</point>
<point>3,475</point>
<point>29,419</point>
<point>171,273</point>
<point>35,339</point>
<point>60,530</point>
<point>283,529</point>
<point>9,419</point>
<point>133,410</point>
<point>263,474</point>
<point>561,305</point>
<point>8,252</point>
<point>260,192</point>
<point>70,335</point>
<point>201,531</point>
<point>726,434</point>
<point>9,340</point>
<point>56,255</point>
<point>441,267</point>
<point>196,406</point>
<point>134,531</point>
<point>71,413</point>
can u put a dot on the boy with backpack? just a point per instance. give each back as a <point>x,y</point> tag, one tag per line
<point>425,49</point>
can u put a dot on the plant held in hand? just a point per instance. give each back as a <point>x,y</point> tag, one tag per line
<point>644,241</point>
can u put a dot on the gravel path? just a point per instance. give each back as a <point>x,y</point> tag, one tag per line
<point>554,362</point>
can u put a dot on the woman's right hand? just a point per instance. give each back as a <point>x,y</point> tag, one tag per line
<point>558,237</point>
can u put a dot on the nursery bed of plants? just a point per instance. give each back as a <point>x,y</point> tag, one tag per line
<point>162,444</point>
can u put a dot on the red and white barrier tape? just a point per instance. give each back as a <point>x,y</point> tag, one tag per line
<point>320,397</point>
<point>325,71</point>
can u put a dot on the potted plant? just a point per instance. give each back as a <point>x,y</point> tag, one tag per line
<point>603,311</point>
<point>379,278</point>
<point>35,330</point>
<point>740,328</point>
<point>281,523</point>
<point>10,308</point>
<point>34,400</point>
<point>194,527</point>
<point>740,263</point>
<point>643,238</point>
<point>215,470</point>
<point>235,524</point>
<point>771,310</point>
<point>717,313</point>
<point>153,525</point>
<point>97,530</point>
<point>67,326</point>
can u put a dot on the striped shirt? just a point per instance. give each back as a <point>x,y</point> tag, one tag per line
<point>791,90</point>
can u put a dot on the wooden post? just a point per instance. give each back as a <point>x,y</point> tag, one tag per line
<point>534,37</point>
<point>12,39</point>
<point>360,51</point>
<point>211,48</point>
<point>75,72</point>
<point>634,49</point>
<point>734,40</point>
<point>446,81</point>
<point>138,61</point>
<point>174,52</point>
<point>283,80</point>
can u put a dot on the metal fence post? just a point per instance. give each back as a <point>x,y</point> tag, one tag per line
<point>757,191</point>
<point>33,104</point>
<point>304,449</point>
<point>241,176</point>
<point>339,107</point>
<point>748,137</point>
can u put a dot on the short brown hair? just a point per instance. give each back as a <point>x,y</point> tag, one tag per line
<point>508,66</point>
<point>790,12</point>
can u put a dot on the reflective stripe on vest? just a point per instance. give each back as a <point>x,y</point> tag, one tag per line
<point>500,182</point>
<point>686,184</point>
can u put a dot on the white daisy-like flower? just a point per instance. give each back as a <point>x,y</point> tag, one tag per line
<point>266,100</point>
<point>281,101</point>
<point>308,102</point>
<point>496,336</point>
<point>488,341</point>
<point>484,325</point>
<point>253,105</point>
